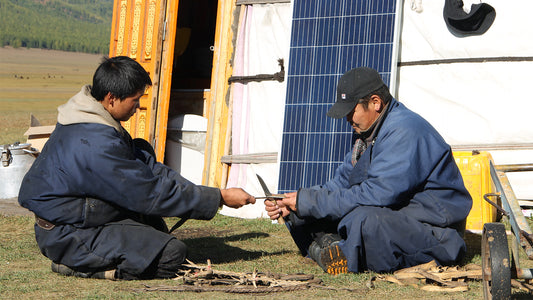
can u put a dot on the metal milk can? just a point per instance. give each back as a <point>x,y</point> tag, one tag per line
<point>16,161</point>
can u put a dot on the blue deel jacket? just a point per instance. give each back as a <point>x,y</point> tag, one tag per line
<point>95,185</point>
<point>408,166</point>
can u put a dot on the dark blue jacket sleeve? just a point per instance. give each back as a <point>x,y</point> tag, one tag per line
<point>148,188</point>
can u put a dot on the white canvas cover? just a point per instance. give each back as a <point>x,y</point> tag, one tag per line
<point>472,103</point>
<point>257,117</point>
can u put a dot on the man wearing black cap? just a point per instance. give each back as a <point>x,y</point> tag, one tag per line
<point>397,200</point>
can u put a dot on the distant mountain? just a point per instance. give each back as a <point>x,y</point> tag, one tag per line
<point>69,25</point>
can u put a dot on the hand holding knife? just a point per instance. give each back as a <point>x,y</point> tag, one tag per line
<point>270,196</point>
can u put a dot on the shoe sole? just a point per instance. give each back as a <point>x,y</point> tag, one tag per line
<point>334,260</point>
<point>66,271</point>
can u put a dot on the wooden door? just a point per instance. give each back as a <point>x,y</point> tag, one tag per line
<point>145,31</point>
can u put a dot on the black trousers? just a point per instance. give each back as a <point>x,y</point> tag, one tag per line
<point>382,240</point>
<point>137,248</point>
<point>168,261</point>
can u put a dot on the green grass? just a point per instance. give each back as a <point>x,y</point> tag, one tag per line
<point>36,81</point>
<point>231,244</point>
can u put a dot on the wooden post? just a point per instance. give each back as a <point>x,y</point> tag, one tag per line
<point>218,110</point>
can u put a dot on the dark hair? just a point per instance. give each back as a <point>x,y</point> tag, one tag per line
<point>121,76</point>
<point>382,92</point>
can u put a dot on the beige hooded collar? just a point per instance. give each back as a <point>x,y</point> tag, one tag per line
<point>83,108</point>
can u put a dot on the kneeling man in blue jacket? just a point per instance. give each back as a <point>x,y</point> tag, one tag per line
<point>99,196</point>
<point>396,201</point>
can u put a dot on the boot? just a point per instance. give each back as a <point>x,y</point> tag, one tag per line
<point>64,270</point>
<point>328,255</point>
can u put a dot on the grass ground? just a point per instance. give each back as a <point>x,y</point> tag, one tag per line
<point>232,244</point>
<point>36,81</point>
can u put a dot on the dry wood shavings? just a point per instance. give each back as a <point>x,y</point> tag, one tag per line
<point>430,277</point>
<point>525,286</point>
<point>204,278</point>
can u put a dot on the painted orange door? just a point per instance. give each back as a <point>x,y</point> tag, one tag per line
<point>145,31</point>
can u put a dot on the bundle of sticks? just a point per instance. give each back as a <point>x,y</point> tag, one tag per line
<point>194,274</point>
<point>204,278</point>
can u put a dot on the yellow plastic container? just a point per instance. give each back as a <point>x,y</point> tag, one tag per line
<point>475,170</point>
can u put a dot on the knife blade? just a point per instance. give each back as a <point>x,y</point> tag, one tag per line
<point>270,196</point>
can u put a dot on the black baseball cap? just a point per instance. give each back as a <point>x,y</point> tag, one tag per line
<point>354,85</point>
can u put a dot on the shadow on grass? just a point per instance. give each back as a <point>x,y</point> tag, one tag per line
<point>217,249</point>
<point>473,247</point>
<point>521,296</point>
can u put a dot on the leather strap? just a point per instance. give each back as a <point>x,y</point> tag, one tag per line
<point>44,224</point>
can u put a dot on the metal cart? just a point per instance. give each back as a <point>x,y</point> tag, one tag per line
<point>496,263</point>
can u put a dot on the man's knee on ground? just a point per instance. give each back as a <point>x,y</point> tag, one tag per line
<point>171,258</point>
<point>165,265</point>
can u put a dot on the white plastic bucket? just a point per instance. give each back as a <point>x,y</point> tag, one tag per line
<point>184,151</point>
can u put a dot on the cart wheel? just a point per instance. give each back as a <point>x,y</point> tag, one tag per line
<point>495,262</point>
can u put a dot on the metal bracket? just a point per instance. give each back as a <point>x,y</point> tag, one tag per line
<point>498,208</point>
<point>279,76</point>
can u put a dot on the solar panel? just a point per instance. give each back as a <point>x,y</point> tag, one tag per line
<point>328,38</point>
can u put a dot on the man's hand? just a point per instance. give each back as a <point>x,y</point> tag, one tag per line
<point>282,207</point>
<point>236,197</point>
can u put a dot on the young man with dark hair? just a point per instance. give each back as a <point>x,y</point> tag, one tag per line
<point>396,201</point>
<point>99,196</point>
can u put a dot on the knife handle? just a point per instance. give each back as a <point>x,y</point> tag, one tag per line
<point>281,220</point>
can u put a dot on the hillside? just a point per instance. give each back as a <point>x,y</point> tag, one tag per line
<point>69,25</point>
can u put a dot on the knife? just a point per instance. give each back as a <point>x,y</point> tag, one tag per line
<point>270,196</point>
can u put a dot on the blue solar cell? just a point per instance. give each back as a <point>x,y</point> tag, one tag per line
<point>331,26</point>
<point>327,59</point>
<point>303,32</point>
<point>301,89</point>
<point>329,37</point>
<point>330,8</point>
